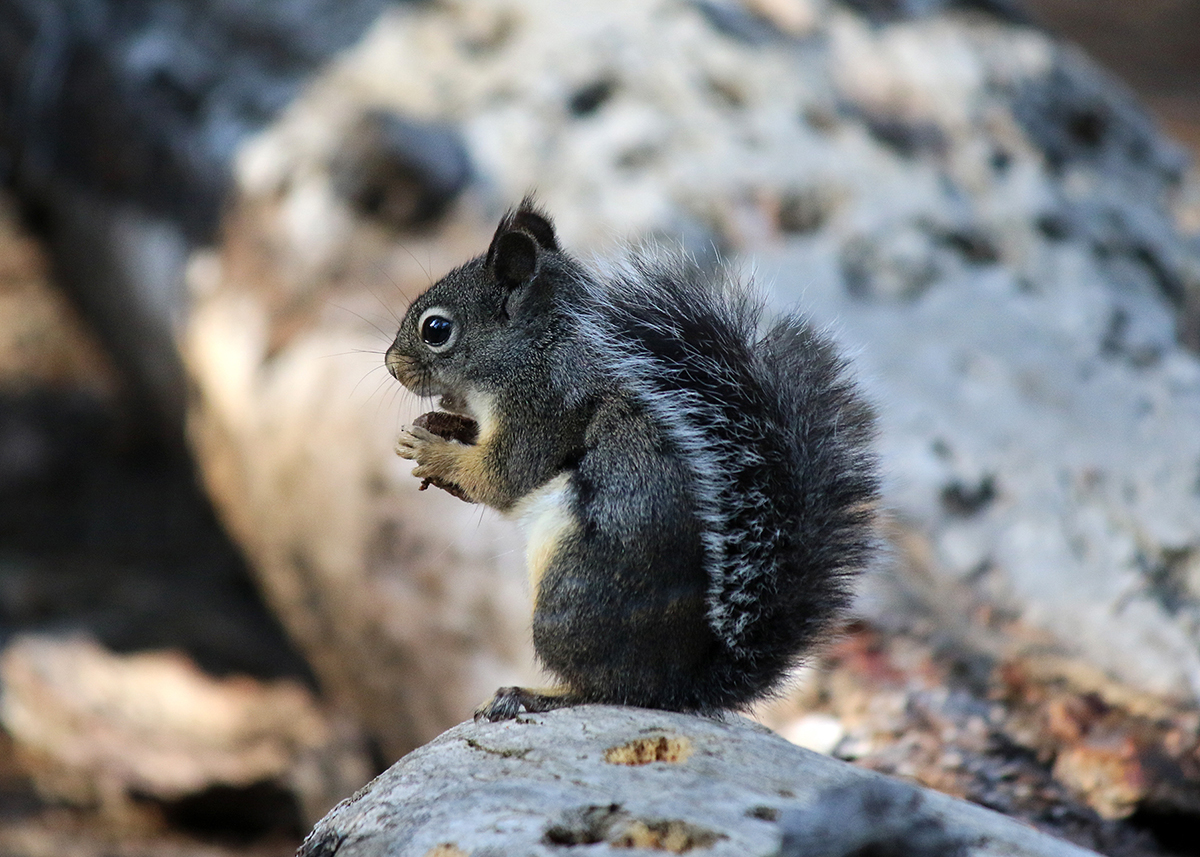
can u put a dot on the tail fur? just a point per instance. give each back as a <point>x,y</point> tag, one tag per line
<point>778,439</point>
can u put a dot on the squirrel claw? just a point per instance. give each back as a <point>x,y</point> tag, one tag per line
<point>508,702</point>
<point>505,705</point>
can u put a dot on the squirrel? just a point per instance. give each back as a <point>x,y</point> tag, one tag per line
<point>697,486</point>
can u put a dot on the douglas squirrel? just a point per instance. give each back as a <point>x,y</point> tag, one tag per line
<point>696,485</point>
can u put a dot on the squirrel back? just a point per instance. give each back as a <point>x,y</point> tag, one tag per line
<point>698,483</point>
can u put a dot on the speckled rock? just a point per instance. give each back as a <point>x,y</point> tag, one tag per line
<point>620,778</point>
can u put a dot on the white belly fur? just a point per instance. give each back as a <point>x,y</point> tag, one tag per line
<point>545,516</point>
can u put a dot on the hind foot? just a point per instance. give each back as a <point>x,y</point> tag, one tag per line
<point>511,701</point>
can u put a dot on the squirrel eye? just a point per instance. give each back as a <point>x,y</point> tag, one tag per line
<point>436,328</point>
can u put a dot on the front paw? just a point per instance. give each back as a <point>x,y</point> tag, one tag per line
<point>414,443</point>
<point>435,456</point>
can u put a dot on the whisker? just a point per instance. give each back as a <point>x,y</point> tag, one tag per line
<point>370,372</point>
<point>352,352</point>
<point>424,268</point>
<point>362,317</point>
<point>387,308</point>
<point>383,400</point>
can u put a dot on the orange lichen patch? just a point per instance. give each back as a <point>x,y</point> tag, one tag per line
<point>445,849</point>
<point>643,751</point>
<point>673,836</point>
<point>611,824</point>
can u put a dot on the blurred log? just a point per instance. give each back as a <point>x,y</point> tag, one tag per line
<point>118,123</point>
<point>632,778</point>
<point>132,736</point>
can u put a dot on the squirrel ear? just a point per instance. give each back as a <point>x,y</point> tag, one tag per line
<point>536,224</point>
<point>514,258</point>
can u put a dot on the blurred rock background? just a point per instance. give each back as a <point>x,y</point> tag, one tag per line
<point>214,214</point>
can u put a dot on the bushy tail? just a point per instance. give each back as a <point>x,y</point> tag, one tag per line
<point>779,441</point>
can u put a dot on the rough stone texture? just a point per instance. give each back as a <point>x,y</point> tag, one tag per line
<point>1042,439</point>
<point>615,778</point>
<point>1056,745</point>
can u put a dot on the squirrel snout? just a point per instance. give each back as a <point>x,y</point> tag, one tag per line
<point>395,362</point>
<point>409,372</point>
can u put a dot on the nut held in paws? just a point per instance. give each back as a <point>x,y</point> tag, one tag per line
<point>449,426</point>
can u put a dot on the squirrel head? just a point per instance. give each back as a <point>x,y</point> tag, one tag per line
<point>485,322</point>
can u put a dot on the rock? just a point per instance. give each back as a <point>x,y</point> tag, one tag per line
<point>633,778</point>
<point>122,733</point>
<point>877,817</point>
<point>1055,744</point>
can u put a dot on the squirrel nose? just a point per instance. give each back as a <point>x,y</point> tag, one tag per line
<point>394,361</point>
<point>408,371</point>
